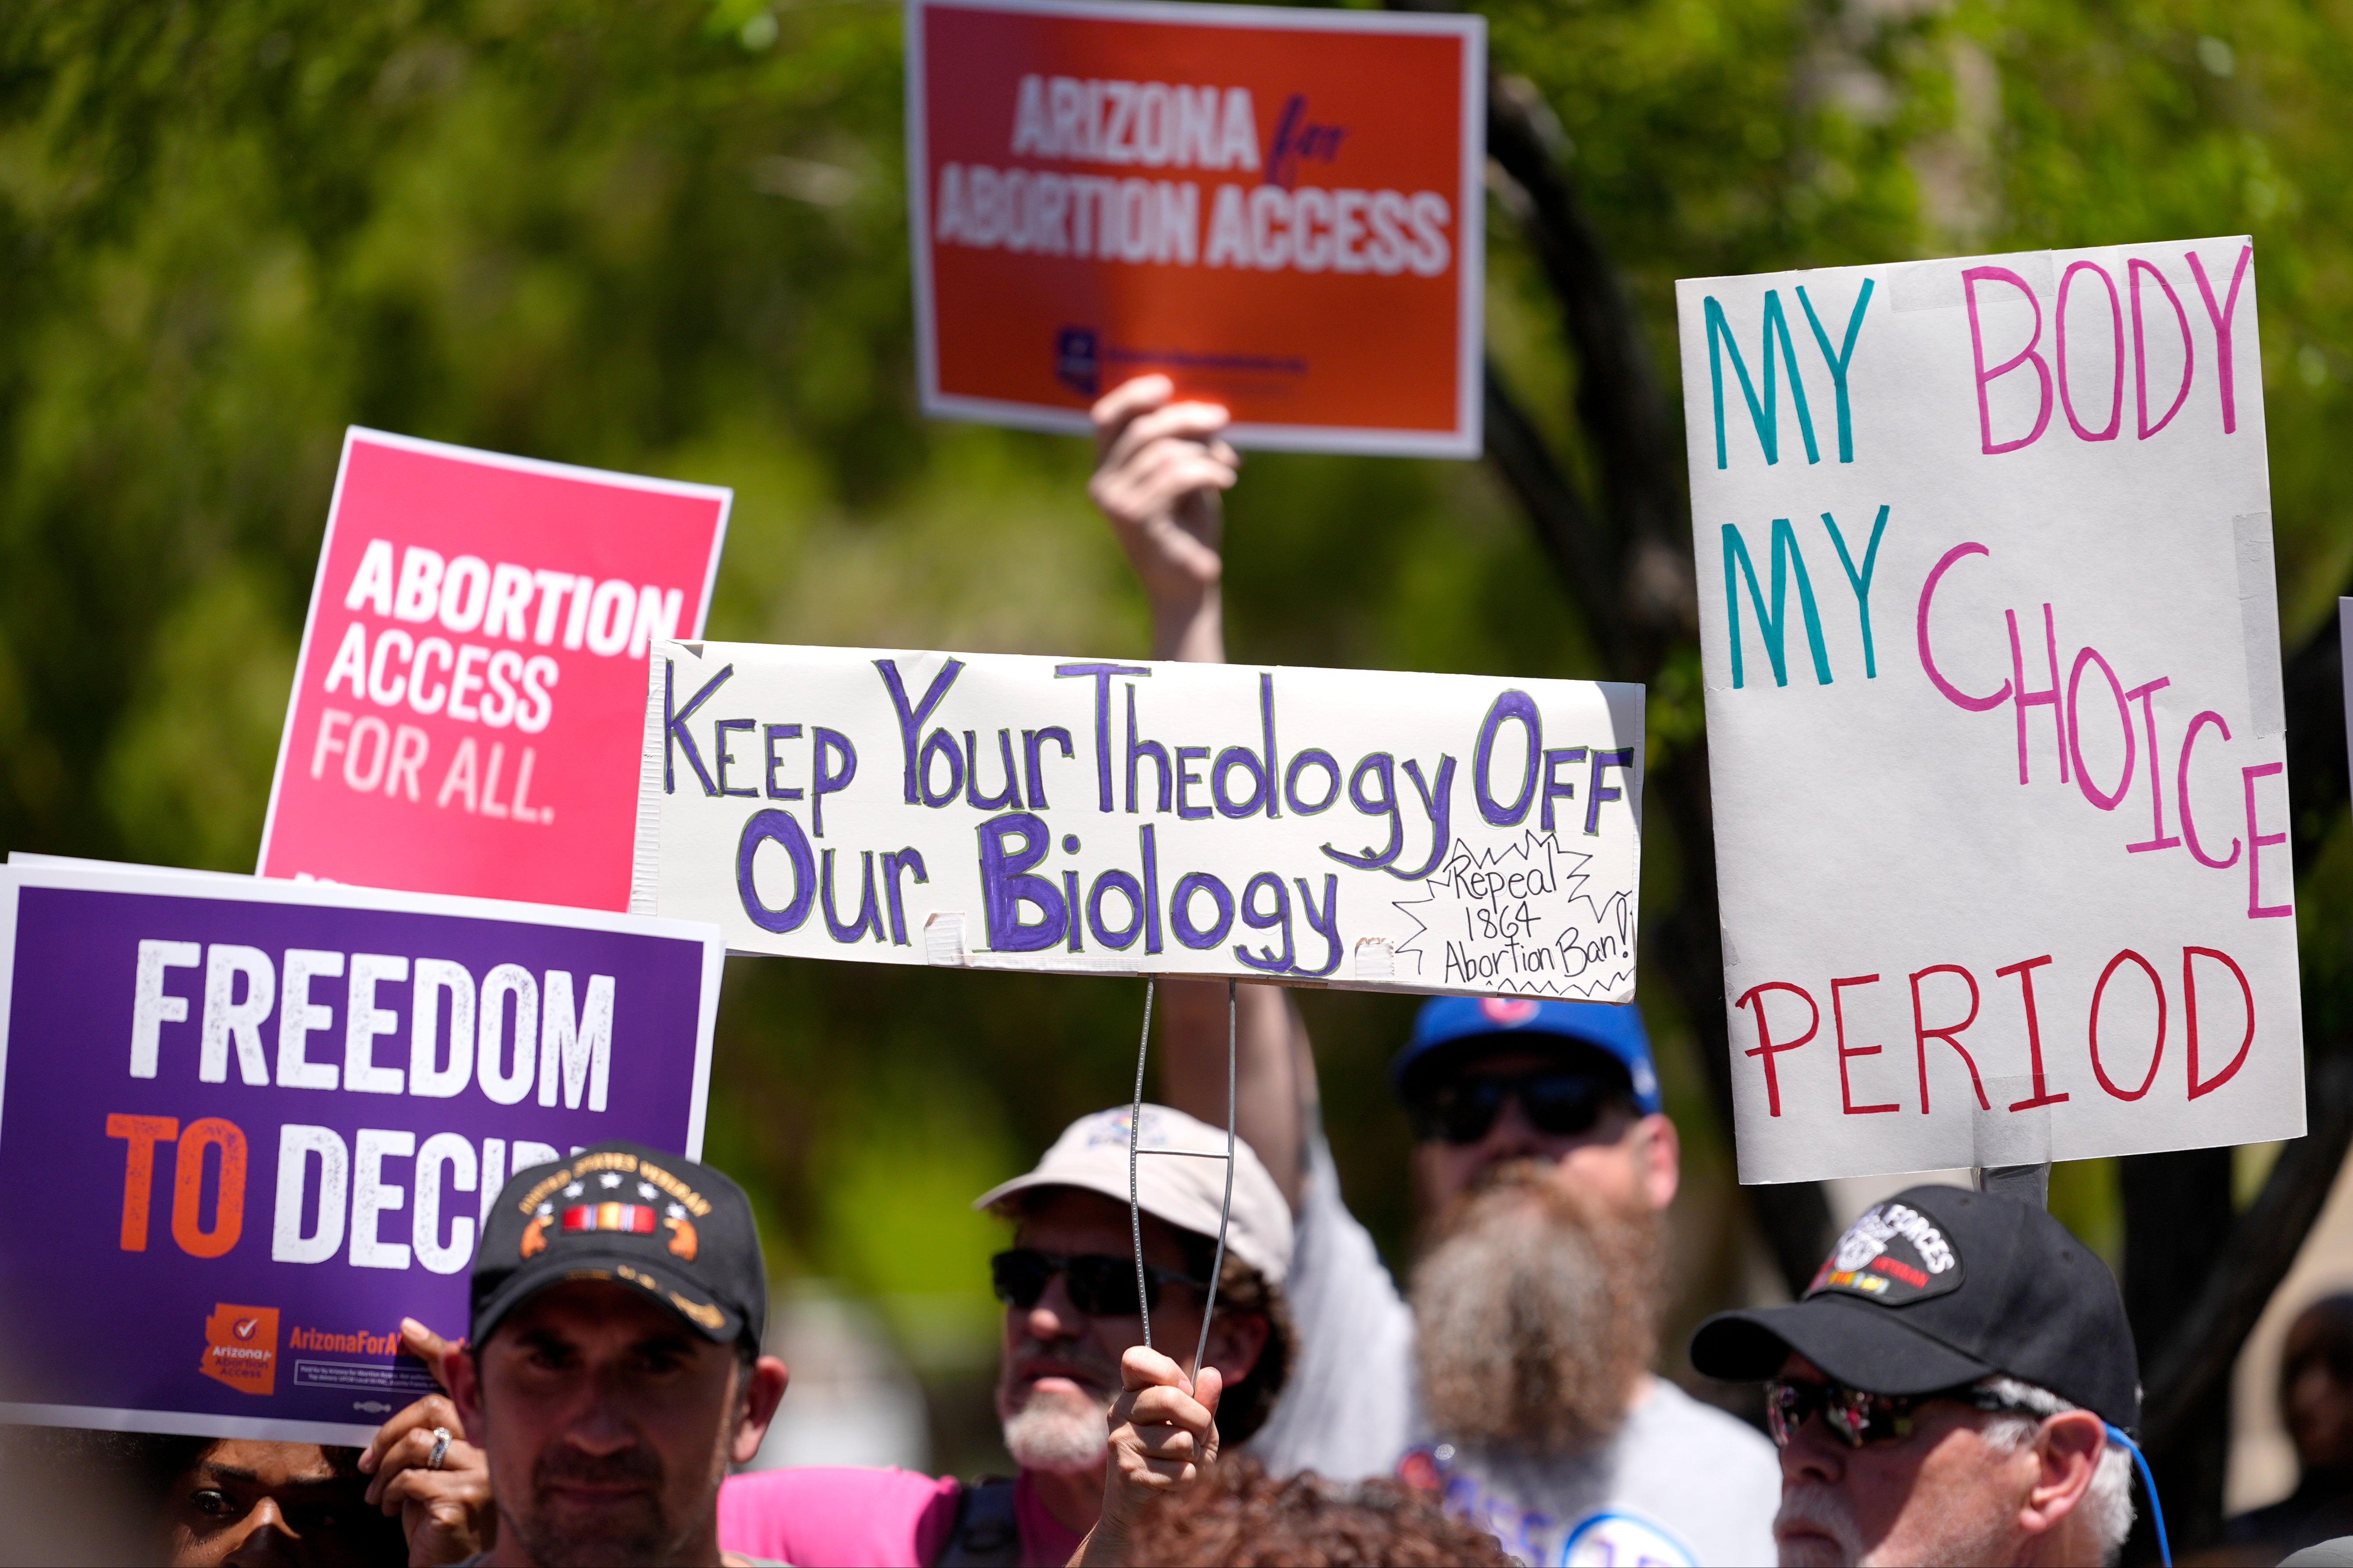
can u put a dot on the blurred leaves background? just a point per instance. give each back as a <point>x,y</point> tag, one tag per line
<point>669,236</point>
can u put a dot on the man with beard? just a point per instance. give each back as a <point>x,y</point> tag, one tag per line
<point>1952,1389</point>
<point>1544,1166</point>
<point>614,1367</point>
<point>1071,1314</point>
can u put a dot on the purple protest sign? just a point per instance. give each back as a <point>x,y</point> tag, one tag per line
<point>252,1124</point>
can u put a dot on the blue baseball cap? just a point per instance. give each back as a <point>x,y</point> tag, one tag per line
<point>1449,1028</point>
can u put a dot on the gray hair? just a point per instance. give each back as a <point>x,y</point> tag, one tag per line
<point>2107,1503</point>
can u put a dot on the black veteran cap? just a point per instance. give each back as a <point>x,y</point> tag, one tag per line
<point>1939,1287</point>
<point>632,1215</point>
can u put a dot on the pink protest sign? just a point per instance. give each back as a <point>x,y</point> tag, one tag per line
<point>467,708</point>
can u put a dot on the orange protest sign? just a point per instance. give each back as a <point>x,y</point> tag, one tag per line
<point>1279,209</point>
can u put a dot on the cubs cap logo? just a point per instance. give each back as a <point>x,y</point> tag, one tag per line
<point>1509,1010</point>
<point>1893,1255</point>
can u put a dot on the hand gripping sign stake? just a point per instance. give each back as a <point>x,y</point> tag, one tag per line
<point>1226,1209</point>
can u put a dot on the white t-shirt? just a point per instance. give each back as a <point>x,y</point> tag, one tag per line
<point>1682,1482</point>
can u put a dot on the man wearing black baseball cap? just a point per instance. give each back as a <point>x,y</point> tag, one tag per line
<point>614,1367</point>
<point>1952,1388</point>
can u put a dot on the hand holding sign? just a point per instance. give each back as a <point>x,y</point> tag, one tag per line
<point>1163,1433</point>
<point>1161,466</point>
<point>424,1469</point>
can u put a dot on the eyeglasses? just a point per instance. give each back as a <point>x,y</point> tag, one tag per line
<point>1561,1102</point>
<point>1101,1285</point>
<point>1858,1417</point>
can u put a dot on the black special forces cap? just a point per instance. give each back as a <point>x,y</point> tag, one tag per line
<point>621,1211</point>
<point>1939,1287</point>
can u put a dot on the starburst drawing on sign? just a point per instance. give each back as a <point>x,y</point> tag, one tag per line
<point>1514,919</point>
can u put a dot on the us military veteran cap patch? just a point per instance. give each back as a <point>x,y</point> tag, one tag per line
<point>1893,1255</point>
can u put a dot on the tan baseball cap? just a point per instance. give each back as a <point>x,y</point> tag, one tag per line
<point>1180,1177</point>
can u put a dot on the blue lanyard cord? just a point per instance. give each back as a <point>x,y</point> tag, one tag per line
<point>2148,1485</point>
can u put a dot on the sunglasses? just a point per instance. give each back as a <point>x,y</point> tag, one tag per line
<point>1101,1285</point>
<point>1857,1417</point>
<point>1559,1101</point>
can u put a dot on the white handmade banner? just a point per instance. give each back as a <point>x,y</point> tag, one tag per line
<point>1991,654</point>
<point>1344,827</point>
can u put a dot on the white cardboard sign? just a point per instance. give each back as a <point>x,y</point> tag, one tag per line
<point>1991,652</point>
<point>1343,828</point>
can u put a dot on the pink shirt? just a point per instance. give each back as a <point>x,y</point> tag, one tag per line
<point>840,1517</point>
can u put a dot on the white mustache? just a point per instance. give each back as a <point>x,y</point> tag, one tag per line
<point>1819,1508</point>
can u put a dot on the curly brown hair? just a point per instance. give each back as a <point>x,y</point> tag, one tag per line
<point>1239,1517</point>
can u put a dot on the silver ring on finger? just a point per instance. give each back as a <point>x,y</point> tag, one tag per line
<point>441,1438</point>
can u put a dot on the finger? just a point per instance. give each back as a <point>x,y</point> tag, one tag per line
<point>407,1455</point>
<point>1169,1407</point>
<point>1207,1387</point>
<point>1141,1367</point>
<point>427,1347</point>
<point>429,1488</point>
<point>413,1454</point>
<point>1125,402</point>
<point>1192,422</point>
<point>433,1410</point>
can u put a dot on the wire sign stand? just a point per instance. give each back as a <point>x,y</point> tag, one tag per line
<point>1225,1211</point>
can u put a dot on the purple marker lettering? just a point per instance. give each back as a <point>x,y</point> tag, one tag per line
<point>1509,705</point>
<point>834,746</point>
<point>895,867</point>
<point>1102,674</point>
<point>1382,766</point>
<point>1324,922</point>
<point>1555,786</point>
<point>778,828</point>
<point>870,915</point>
<point>1011,795</point>
<point>1439,807</point>
<point>912,717</point>
<point>1267,919</point>
<point>1139,750</point>
<point>939,744</point>
<point>1033,742</point>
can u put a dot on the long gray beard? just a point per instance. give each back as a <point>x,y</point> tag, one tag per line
<point>1065,1433</point>
<point>1537,1313</point>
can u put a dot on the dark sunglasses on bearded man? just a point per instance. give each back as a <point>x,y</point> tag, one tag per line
<point>1100,1285</point>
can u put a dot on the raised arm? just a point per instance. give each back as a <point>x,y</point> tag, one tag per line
<point>1162,468</point>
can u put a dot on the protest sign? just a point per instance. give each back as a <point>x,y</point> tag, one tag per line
<point>1227,195</point>
<point>261,1121</point>
<point>1991,656</point>
<point>1345,827</point>
<point>465,709</point>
